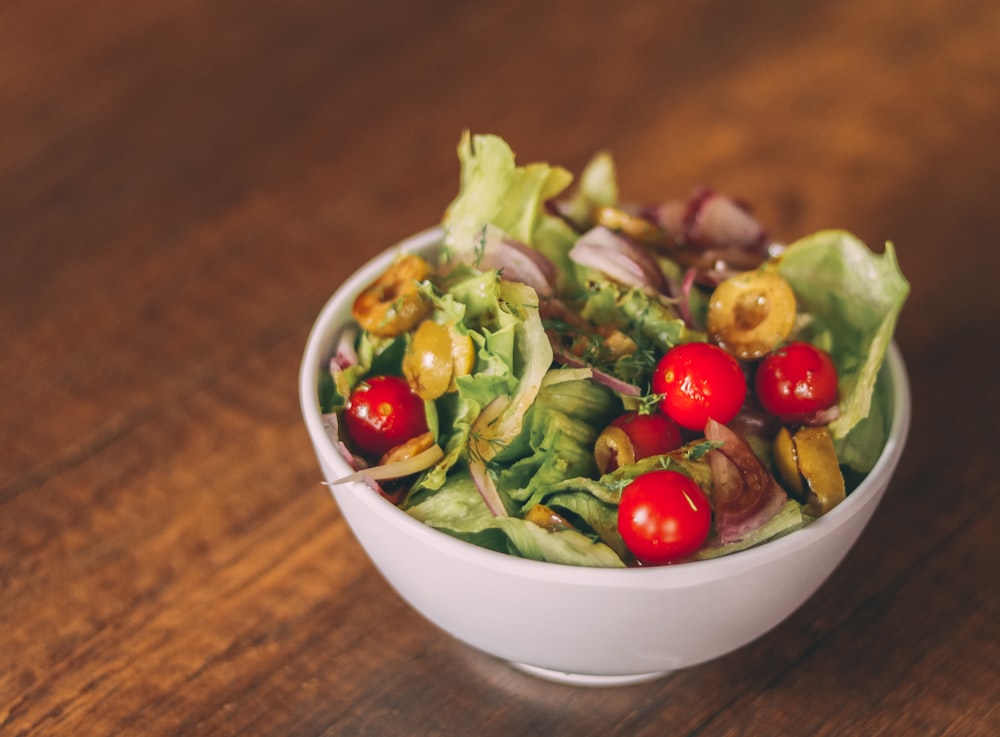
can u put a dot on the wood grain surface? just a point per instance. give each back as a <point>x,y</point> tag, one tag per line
<point>182,186</point>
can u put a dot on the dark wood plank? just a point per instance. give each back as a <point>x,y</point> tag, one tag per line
<point>182,185</point>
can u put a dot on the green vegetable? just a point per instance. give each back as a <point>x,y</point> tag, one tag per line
<point>458,510</point>
<point>559,433</point>
<point>495,191</point>
<point>789,518</point>
<point>854,297</point>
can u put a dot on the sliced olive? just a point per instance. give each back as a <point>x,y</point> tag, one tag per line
<point>817,460</point>
<point>751,313</point>
<point>633,226</point>
<point>613,449</point>
<point>787,464</point>
<point>393,304</point>
<point>405,451</point>
<point>544,517</point>
<point>618,344</point>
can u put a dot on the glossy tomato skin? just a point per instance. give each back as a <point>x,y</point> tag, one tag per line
<point>663,517</point>
<point>796,380</point>
<point>384,412</point>
<point>651,433</point>
<point>699,381</point>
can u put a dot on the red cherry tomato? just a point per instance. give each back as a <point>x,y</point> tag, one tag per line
<point>663,516</point>
<point>651,434</point>
<point>796,381</point>
<point>699,381</point>
<point>384,412</point>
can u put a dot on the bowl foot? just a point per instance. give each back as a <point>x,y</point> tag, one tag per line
<point>583,679</point>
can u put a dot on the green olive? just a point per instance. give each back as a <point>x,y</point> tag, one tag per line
<point>786,462</point>
<point>634,226</point>
<point>751,313</point>
<point>428,364</point>
<point>819,467</point>
<point>613,449</point>
<point>545,518</point>
<point>393,304</point>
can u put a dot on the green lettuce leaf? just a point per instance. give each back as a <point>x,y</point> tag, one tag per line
<point>473,304</point>
<point>599,516</point>
<point>789,518</point>
<point>596,187</point>
<point>557,438</point>
<point>855,297</point>
<point>495,191</point>
<point>458,510</point>
<point>647,317</point>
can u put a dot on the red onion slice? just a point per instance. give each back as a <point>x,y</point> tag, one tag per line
<point>619,259</point>
<point>744,494</point>
<point>716,220</point>
<point>518,261</point>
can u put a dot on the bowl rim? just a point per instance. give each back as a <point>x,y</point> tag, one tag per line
<point>319,349</point>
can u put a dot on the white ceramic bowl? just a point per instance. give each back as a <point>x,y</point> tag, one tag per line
<point>584,625</point>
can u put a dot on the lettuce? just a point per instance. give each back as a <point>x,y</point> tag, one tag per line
<point>458,510</point>
<point>495,191</point>
<point>597,187</point>
<point>557,440</point>
<point>854,297</point>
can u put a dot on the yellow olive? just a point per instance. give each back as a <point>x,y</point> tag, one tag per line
<point>820,468</point>
<point>393,304</point>
<point>635,227</point>
<point>618,344</point>
<point>613,449</point>
<point>405,451</point>
<point>544,517</point>
<point>463,352</point>
<point>751,313</point>
<point>787,464</point>
<point>428,364</point>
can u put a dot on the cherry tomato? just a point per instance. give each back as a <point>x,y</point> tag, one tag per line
<point>651,434</point>
<point>699,381</point>
<point>383,412</point>
<point>663,516</point>
<point>796,381</point>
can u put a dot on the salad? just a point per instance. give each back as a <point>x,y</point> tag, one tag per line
<point>578,380</point>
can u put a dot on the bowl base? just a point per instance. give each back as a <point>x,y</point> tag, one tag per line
<point>583,679</point>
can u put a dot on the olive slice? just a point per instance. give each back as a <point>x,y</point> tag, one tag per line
<point>408,450</point>
<point>633,226</point>
<point>546,518</point>
<point>786,462</point>
<point>392,304</point>
<point>751,313</point>
<point>817,460</point>
<point>613,449</point>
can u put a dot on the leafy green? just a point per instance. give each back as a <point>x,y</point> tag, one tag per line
<point>854,297</point>
<point>559,432</point>
<point>597,515</point>
<point>495,191</point>
<point>476,301</point>
<point>789,518</point>
<point>597,187</point>
<point>650,317</point>
<point>458,509</point>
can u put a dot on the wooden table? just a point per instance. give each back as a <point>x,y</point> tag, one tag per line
<point>182,186</point>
